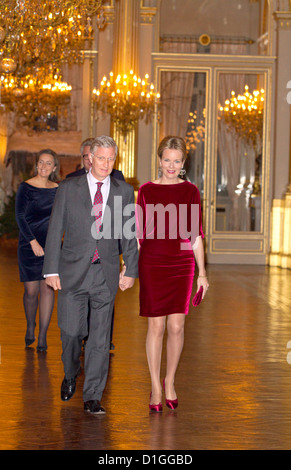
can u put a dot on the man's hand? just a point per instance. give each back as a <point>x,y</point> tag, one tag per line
<point>54,282</point>
<point>125,282</point>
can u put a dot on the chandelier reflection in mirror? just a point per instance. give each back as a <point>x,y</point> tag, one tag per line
<point>36,100</point>
<point>244,115</point>
<point>126,98</point>
<point>195,131</point>
<point>34,32</point>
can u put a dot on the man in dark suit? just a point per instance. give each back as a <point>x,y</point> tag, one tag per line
<point>85,153</point>
<point>85,266</point>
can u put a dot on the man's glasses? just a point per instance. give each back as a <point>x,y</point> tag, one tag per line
<point>103,159</point>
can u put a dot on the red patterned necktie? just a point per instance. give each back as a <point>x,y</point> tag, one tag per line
<point>97,206</point>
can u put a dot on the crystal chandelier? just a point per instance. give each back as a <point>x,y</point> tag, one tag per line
<point>244,115</point>
<point>126,98</point>
<point>34,98</point>
<point>41,32</point>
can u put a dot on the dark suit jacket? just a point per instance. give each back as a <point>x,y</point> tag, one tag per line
<point>73,221</point>
<point>115,173</point>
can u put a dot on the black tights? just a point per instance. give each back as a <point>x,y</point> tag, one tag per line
<point>38,293</point>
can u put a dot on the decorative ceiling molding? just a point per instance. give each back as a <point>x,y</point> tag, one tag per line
<point>147,14</point>
<point>214,39</point>
<point>283,19</point>
<point>109,13</point>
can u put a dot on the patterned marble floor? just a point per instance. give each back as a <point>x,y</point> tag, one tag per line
<point>233,382</point>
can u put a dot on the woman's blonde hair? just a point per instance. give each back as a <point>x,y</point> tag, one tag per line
<point>173,143</point>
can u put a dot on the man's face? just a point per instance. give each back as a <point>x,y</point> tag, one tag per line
<point>102,162</point>
<point>86,159</point>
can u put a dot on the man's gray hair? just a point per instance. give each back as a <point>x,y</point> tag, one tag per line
<point>86,143</point>
<point>105,142</point>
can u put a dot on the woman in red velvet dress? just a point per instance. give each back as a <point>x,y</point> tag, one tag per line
<point>170,237</point>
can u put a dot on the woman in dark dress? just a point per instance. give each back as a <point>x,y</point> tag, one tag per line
<point>170,237</point>
<point>34,201</point>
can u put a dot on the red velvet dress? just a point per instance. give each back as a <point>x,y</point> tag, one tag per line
<point>168,222</point>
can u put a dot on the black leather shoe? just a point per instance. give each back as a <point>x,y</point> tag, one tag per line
<point>94,407</point>
<point>68,389</point>
<point>29,342</point>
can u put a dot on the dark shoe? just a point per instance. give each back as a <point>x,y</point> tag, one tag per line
<point>112,347</point>
<point>41,348</point>
<point>28,342</point>
<point>68,389</point>
<point>94,407</point>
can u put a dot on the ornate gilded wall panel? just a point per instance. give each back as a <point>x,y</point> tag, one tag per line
<point>237,229</point>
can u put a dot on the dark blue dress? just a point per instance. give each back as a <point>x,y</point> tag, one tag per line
<point>33,209</point>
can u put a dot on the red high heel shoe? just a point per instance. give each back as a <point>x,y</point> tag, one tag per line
<point>156,408</point>
<point>172,404</point>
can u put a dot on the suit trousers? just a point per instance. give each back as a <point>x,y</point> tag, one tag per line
<point>93,295</point>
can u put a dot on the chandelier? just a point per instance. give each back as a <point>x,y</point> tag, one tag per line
<point>243,114</point>
<point>195,132</point>
<point>35,98</point>
<point>126,98</point>
<point>41,32</point>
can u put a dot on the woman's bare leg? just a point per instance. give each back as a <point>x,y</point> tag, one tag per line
<point>154,346</point>
<point>175,343</point>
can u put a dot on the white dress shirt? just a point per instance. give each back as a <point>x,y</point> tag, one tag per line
<point>105,188</point>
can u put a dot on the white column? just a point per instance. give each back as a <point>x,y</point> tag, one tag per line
<point>282,116</point>
<point>126,58</point>
<point>148,29</point>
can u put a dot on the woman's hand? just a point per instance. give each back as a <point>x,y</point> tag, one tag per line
<point>202,281</point>
<point>36,248</point>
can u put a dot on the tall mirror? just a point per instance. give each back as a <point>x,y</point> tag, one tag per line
<point>241,102</point>
<point>183,98</point>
